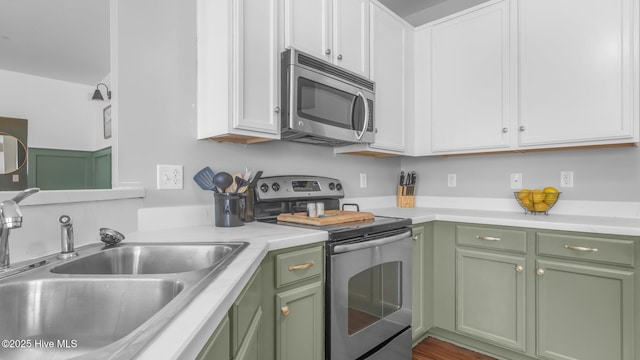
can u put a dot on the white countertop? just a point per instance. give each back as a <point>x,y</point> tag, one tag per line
<point>187,333</point>
<point>592,224</point>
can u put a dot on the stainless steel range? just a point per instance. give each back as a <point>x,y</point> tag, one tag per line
<point>368,264</point>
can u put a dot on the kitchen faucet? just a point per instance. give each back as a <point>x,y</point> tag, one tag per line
<point>11,218</point>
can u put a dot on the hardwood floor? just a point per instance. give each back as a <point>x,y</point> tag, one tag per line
<point>434,349</point>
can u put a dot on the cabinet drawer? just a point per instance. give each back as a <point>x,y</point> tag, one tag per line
<point>614,251</point>
<point>492,238</point>
<point>298,265</point>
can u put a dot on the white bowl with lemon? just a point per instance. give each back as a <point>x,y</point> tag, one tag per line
<point>537,201</point>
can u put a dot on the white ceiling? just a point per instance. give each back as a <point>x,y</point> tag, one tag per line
<point>419,12</point>
<point>60,39</point>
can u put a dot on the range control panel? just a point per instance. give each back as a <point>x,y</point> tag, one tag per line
<point>281,188</point>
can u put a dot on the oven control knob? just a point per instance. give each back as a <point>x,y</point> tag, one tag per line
<point>275,186</point>
<point>264,187</point>
<point>332,186</point>
<point>339,187</point>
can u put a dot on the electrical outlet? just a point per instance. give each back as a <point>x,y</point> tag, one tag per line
<point>169,177</point>
<point>566,179</point>
<point>516,181</point>
<point>363,180</point>
<point>451,180</point>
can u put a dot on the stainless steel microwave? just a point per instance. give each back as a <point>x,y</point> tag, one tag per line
<point>324,104</point>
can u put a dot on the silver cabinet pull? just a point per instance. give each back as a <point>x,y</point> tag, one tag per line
<point>488,238</point>
<point>276,110</point>
<point>540,272</point>
<point>285,310</point>
<point>519,268</point>
<point>416,237</point>
<point>328,51</point>
<point>505,130</point>
<point>522,128</point>
<point>580,248</point>
<point>340,57</point>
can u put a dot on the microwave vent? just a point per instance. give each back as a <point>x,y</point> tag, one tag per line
<point>339,73</point>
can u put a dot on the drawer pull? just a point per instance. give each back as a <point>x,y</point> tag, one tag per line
<point>285,310</point>
<point>580,248</point>
<point>488,238</point>
<point>519,268</point>
<point>540,272</point>
<point>304,266</point>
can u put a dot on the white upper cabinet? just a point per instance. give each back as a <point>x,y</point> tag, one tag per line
<point>528,74</point>
<point>468,91</point>
<point>391,40</point>
<point>334,30</point>
<point>388,53</point>
<point>237,70</point>
<point>577,71</point>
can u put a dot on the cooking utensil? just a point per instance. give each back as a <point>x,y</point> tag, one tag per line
<point>401,178</point>
<point>242,185</point>
<point>204,179</point>
<point>233,188</point>
<point>254,181</point>
<point>222,180</point>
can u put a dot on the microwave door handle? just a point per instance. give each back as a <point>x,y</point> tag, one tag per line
<point>366,115</point>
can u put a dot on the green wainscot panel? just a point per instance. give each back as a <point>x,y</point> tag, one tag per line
<point>57,169</point>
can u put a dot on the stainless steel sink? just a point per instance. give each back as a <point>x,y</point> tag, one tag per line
<point>77,315</point>
<point>106,303</point>
<point>148,259</point>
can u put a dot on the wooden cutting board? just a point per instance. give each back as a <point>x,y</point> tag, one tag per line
<point>340,217</point>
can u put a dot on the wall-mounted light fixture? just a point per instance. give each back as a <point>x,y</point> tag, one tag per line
<point>97,95</point>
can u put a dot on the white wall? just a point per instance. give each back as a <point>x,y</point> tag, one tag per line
<point>599,174</point>
<point>157,116</point>
<point>61,114</point>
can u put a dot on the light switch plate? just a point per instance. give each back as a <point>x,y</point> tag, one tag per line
<point>169,177</point>
<point>452,180</point>
<point>516,181</point>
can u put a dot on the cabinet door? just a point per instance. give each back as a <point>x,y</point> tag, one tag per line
<point>576,73</point>
<point>299,324</point>
<point>351,35</point>
<point>250,347</point>
<point>422,286</point>
<point>388,71</point>
<point>470,107</point>
<point>219,345</point>
<point>258,64</point>
<point>490,297</point>
<point>307,27</point>
<point>584,312</point>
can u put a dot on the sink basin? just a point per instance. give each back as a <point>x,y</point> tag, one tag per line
<point>149,259</point>
<point>106,303</point>
<point>76,316</point>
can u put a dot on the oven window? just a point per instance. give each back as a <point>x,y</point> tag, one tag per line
<point>324,104</point>
<point>374,294</point>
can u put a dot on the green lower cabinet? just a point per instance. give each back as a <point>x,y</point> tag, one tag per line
<point>422,281</point>
<point>300,323</point>
<point>584,312</point>
<point>490,297</point>
<point>219,345</point>
<point>250,346</point>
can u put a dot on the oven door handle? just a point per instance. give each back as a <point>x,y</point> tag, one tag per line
<point>339,249</point>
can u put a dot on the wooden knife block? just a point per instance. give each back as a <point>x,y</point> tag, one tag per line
<point>406,196</point>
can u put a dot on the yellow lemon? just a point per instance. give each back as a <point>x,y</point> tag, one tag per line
<point>541,207</point>
<point>550,195</point>
<point>537,196</point>
<point>524,193</point>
